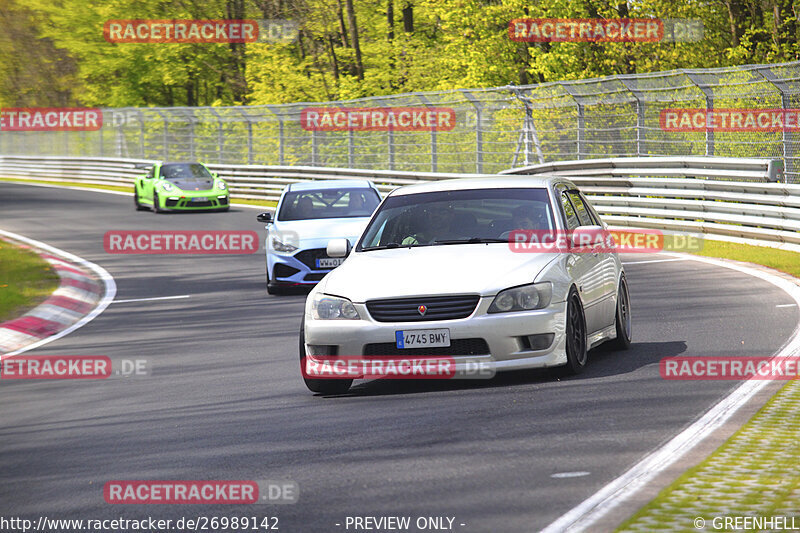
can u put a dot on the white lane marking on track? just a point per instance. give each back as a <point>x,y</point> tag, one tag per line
<point>105,277</point>
<point>654,261</point>
<point>151,299</point>
<point>786,305</point>
<point>565,475</point>
<point>588,512</point>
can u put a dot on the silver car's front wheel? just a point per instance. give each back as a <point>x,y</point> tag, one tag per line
<point>623,318</point>
<point>577,353</point>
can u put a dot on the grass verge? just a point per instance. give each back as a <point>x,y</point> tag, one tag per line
<point>783,260</point>
<point>26,280</point>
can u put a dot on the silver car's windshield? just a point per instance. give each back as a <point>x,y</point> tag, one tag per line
<point>328,203</point>
<point>456,217</point>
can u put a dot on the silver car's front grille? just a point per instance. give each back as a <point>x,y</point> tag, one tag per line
<point>423,308</point>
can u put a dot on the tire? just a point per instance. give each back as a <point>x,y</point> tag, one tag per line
<point>157,204</point>
<point>577,352</point>
<point>139,207</point>
<point>272,289</point>
<point>622,320</point>
<point>321,386</point>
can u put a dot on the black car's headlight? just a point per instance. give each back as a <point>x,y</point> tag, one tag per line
<point>325,307</point>
<point>524,298</point>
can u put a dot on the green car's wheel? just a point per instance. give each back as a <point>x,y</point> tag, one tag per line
<point>157,204</point>
<point>322,386</point>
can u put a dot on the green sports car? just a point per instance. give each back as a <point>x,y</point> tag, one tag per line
<point>181,187</point>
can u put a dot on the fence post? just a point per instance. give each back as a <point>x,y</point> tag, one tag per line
<point>220,140</point>
<point>528,135</point>
<point>708,91</point>
<point>165,139</point>
<point>785,104</point>
<point>243,112</point>
<point>275,111</point>
<point>434,147</point>
<point>141,134</point>
<point>580,147</point>
<point>478,129</point>
<point>632,86</point>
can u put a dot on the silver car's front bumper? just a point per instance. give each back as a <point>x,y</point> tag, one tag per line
<point>504,334</point>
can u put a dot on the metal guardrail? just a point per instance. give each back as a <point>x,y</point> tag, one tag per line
<point>697,194</point>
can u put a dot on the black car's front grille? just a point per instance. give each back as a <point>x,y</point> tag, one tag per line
<point>309,257</point>
<point>457,347</point>
<point>423,309</point>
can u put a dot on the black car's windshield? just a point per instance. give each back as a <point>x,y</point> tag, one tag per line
<point>457,217</point>
<point>184,171</point>
<point>328,203</point>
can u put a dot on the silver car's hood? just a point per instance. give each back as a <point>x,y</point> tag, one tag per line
<point>431,270</point>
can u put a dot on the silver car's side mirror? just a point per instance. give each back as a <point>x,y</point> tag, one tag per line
<point>584,236</point>
<point>338,248</point>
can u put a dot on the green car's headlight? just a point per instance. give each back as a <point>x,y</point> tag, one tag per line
<point>325,307</point>
<point>221,185</point>
<point>167,187</point>
<point>524,298</point>
<point>280,246</point>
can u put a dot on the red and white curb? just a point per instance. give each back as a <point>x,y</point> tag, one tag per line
<point>85,291</point>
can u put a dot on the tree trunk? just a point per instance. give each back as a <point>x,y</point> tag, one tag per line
<point>408,18</point>
<point>351,19</point>
<point>342,27</point>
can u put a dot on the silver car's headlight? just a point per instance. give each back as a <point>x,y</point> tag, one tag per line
<point>325,307</point>
<point>168,187</point>
<point>524,298</point>
<point>280,246</point>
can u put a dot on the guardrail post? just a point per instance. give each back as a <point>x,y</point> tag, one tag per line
<point>478,129</point>
<point>709,94</point>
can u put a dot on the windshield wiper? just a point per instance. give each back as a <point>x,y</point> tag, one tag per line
<point>381,247</point>
<point>472,240</point>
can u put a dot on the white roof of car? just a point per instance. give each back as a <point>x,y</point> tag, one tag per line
<point>483,182</point>
<point>329,184</point>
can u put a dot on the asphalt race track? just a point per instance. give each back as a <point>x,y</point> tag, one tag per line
<point>225,399</point>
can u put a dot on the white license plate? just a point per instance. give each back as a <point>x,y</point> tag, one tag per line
<point>199,200</point>
<point>329,262</point>
<point>422,338</point>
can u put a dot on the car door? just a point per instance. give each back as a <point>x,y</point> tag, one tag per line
<point>605,262</point>
<point>147,186</point>
<point>583,266</point>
